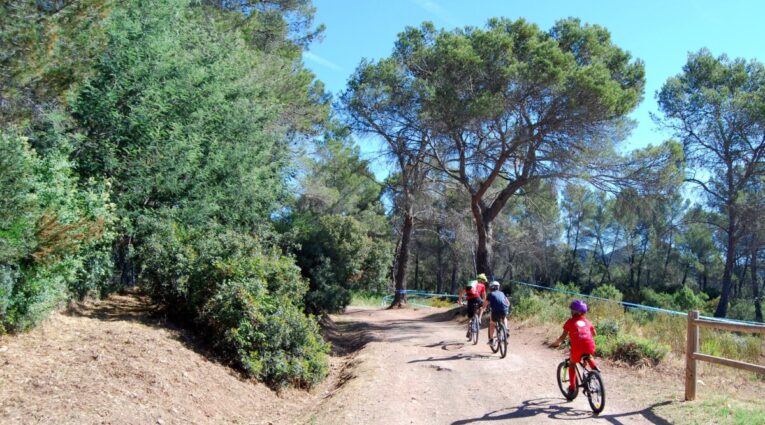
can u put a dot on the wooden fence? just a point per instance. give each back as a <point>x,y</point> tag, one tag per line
<point>692,351</point>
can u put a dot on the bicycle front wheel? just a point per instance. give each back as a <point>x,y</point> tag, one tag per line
<point>502,341</point>
<point>596,392</point>
<point>563,381</point>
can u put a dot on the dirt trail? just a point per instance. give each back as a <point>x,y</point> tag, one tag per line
<point>418,369</point>
<point>117,362</point>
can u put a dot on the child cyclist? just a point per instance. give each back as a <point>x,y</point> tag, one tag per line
<point>500,307</point>
<point>582,335</point>
<point>475,292</point>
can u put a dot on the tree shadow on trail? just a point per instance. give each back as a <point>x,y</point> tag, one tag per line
<point>460,356</point>
<point>553,409</point>
<point>347,337</point>
<point>130,306</point>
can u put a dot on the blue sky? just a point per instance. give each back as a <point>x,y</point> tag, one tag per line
<point>661,33</point>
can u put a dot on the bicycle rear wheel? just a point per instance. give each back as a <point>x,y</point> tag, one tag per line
<point>502,340</point>
<point>494,344</point>
<point>563,381</point>
<point>475,329</point>
<point>596,392</point>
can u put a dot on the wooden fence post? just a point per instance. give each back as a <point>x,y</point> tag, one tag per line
<point>690,362</point>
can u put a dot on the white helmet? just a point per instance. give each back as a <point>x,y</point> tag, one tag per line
<point>494,285</point>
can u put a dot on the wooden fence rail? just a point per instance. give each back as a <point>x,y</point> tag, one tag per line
<point>692,354</point>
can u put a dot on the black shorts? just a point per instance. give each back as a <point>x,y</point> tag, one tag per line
<point>472,306</point>
<point>498,316</point>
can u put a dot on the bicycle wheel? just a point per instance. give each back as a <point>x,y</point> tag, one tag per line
<point>502,341</point>
<point>475,329</point>
<point>495,342</point>
<point>596,392</point>
<point>563,381</point>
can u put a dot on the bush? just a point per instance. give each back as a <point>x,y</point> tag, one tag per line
<point>267,336</point>
<point>369,299</point>
<point>632,350</point>
<point>607,291</point>
<point>551,308</point>
<point>607,328</point>
<point>247,299</point>
<point>656,299</point>
<point>54,233</point>
<point>685,299</point>
<point>338,256</point>
<point>731,345</point>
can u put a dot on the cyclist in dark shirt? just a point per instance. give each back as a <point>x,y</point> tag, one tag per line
<point>500,307</point>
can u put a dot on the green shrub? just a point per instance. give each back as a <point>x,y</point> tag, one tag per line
<point>248,300</point>
<point>685,299</point>
<point>607,328</point>
<point>338,256</point>
<point>731,345</point>
<point>55,232</point>
<point>607,291</point>
<point>632,350</point>
<point>442,302</point>
<point>267,336</point>
<point>367,299</point>
<point>657,299</point>
<point>542,309</point>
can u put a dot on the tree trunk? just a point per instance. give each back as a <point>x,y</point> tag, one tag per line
<point>417,271</point>
<point>402,259</point>
<point>640,262</point>
<point>739,289</point>
<point>685,273</point>
<point>756,288</point>
<point>454,277</point>
<point>484,251</point>
<point>574,258</point>
<point>664,270</point>
<point>730,257</point>
<point>439,263</point>
<point>632,267</point>
<point>704,278</point>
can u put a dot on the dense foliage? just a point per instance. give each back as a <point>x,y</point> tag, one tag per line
<point>164,165</point>
<point>54,232</point>
<point>338,230</point>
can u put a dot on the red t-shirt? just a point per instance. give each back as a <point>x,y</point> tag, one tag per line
<point>581,332</point>
<point>476,292</point>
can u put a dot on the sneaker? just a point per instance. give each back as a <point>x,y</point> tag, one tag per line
<point>491,341</point>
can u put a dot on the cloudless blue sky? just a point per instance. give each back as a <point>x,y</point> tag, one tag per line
<point>660,33</point>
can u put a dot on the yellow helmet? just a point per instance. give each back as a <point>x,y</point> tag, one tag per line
<point>481,277</point>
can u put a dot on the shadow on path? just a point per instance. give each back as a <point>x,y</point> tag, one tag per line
<point>553,409</point>
<point>461,356</point>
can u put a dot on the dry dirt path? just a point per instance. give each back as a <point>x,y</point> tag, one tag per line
<point>416,368</point>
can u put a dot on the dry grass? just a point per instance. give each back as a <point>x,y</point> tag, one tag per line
<point>115,362</point>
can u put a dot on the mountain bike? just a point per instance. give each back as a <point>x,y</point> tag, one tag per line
<point>499,343</point>
<point>587,379</point>
<point>473,329</point>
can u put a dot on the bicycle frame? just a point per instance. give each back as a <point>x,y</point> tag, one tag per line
<point>581,368</point>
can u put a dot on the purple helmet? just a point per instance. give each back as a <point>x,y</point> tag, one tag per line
<point>579,306</point>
